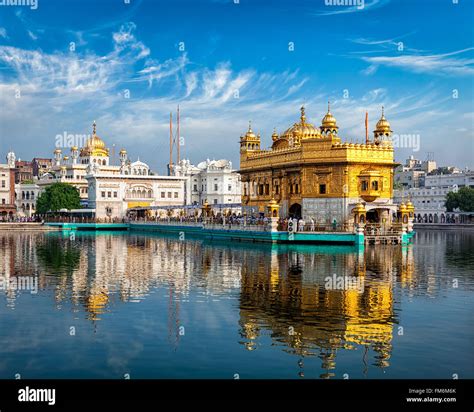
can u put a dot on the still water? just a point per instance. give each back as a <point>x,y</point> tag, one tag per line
<point>115,305</point>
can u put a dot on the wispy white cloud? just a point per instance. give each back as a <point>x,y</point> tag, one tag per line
<point>3,33</point>
<point>66,73</point>
<point>438,64</point>
<point>32,35</point>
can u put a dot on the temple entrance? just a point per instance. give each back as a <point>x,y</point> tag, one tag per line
<point>295,211</point>
<point>372,216</point>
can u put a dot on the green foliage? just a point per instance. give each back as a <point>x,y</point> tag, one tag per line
<point>463,199</point>
<point>58,196</point>
<point>58,254</point>
<point>27,182</point>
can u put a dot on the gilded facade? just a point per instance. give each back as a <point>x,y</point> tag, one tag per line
<point>312,173</point>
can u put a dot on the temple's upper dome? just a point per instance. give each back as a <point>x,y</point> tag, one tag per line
<point>94,146</point>
<point>302,130</point>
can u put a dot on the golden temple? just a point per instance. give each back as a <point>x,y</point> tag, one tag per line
<point>311,173</point>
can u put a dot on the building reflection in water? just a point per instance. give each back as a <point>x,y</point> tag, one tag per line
<point>282,290</point>
<point>288,296</point>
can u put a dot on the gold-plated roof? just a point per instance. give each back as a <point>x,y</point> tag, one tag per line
<point>95,146</point>
<point>302,130</point>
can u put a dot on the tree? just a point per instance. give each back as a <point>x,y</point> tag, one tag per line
<point>58,196</point>
<point>462,200</point>
<point>451,201</point>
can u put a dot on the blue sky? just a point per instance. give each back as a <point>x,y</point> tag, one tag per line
<point>128,64</point>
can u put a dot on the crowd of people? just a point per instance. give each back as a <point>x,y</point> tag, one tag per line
<point>18,219</point>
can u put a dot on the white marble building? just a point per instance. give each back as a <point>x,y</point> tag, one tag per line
<point>112,189</point>
<point>7,187</point>
<point>112,195</point>
<point>212,180</point>
<point>26,196</point>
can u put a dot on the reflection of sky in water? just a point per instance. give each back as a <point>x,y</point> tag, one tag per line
<point>156,307</point>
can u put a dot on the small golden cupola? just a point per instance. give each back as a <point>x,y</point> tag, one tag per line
<point>329,124</point>
<point>95,146</point>
<point>275,135</point>
<point>382,130</point>
<point>249,141</point>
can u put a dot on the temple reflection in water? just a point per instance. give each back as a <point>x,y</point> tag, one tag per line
<point>281,290</point>
<point>287,294</point>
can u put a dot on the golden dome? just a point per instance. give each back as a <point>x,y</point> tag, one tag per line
<point>123,151</point>
<point>402,208</point>
<point>74,148</point>
<point>66,158</point>
<point>359,208</point>
<point>329,121</point>
<point>383,126</point>
<point>95,146</point>
<point>57,151</point>
<point>274,135</point>
<point>250,134</point>
<point>302,130</point>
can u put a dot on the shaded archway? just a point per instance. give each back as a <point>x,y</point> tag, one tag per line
<point>372,216</point>
<point>295,210</point>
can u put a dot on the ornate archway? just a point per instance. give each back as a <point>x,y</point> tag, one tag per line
<point>295,210</point>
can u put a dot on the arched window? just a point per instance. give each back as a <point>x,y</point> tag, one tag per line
<point>375,185</point>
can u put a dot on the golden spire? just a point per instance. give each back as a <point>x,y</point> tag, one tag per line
<point>329,121</point>
<point>93,128</point>
<point>303,115</point>
<point>275,134</point>
<point>250,126</point>
<point>383,126</point>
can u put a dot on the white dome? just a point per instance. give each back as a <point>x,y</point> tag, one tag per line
<point>139,168</point>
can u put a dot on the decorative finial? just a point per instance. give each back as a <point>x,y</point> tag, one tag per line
<point>382,111</point>
<point>303,115</point>
<point>250,125</point>
<point>93,128</point>
<point>329,106</point>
